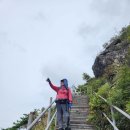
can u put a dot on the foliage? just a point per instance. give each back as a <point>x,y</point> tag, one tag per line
<point>104,90</point>
<point>114,86</point>
<point>92,84</point>
<point>128,58</point>
<point>86,77</point>
<point>105,45</point>
<point>128,107</point>
<point>116,92</point>
<point>125,33</point>
<point>43,122</point>
<point>22,122</point>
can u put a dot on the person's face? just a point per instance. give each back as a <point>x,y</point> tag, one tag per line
<point>62,83</point>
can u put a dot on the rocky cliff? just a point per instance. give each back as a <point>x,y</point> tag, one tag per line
<point>114,54</point>
<point>111,81</point>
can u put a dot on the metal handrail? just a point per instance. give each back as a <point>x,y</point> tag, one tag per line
<point>115,107</point>
<point>49,124</point>
<point>39,117</point>
<point>114,126</point>
<point>122,112</point>
<point>118,109</point>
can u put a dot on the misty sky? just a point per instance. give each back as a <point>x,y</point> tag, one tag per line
<point>50,38</point>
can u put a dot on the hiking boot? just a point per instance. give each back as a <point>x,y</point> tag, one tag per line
<point>67,128</point>
<point>60,129</point>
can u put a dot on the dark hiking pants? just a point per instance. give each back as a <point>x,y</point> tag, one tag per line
<point>62,115</point>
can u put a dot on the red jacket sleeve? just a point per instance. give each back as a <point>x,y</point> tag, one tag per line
<point>70,95</point>
<point>54,87</point>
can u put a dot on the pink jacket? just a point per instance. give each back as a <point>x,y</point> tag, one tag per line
<point>62,93</point>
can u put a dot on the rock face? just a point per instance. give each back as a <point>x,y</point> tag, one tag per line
<point>114,53</point>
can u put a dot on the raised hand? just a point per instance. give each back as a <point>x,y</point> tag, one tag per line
<point>48,80</point>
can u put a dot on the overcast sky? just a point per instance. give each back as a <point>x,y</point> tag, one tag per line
<point>50,38</point>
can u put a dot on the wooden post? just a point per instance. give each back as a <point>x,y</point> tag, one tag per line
<point>49,112</point>
<point>30,118</point>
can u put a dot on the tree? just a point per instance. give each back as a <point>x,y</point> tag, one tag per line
<point>86,77</point>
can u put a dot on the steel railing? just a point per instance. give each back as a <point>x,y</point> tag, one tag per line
<point>33,123</point>
<point>113,122</point>
<point>49,124</point>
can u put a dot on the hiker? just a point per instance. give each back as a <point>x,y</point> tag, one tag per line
<point>63,103</point>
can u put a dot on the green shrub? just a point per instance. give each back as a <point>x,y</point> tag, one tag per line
<point>128,107</point>
<point>125,33</point>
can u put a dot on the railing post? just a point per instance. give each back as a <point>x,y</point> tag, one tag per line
<point>48,125</point>
<point>49,112</point>
<point>113,118</point>
<point>39,116</point>
<point>56,121</point>
<point>30,118</point>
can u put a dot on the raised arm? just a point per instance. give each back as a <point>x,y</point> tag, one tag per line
<point>52,86</point>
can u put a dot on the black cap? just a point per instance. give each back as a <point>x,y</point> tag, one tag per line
<point>62,80</point>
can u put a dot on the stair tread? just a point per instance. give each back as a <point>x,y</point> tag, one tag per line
<point>79,112</point>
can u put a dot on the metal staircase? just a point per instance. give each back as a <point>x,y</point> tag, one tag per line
<point>79,113</point>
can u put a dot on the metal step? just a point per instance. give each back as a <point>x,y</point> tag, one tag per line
<point>81,126</point>
<point>79,113</point>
